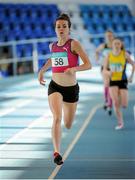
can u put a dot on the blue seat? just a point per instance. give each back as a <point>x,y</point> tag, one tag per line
<point>3,73</point>
<point>127,19</point>
<point>114,8</point>
<point>119,28</point>
<point>104,8</point>
<point>9,37</point>
<point>100,29</point>
<point>41,62</point>
<point>49,32</point>
<point>113,17</point>
<point>38,32</point>
<point>127,41</point>
<point>5,27</point>
<point>130,27</point>
<point>24,50</point>
<point>17,28</point>
<point>20,51</point>
<point>28,50</point>
<point>91,29</point>
<point>84,8</point>
<point>43,48</point>
<point>27,20</point>
<point>96,41</point>
<point>106,17</point>
<point>123,8</point>
<point>94,8</point>
<point>2,5</point>
<point>109,25</point>
<point>2,37</point>
<point>27,29</point>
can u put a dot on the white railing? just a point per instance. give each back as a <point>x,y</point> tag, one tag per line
<point>129,46</point>
<point>35,56</point>
<point>131,35</point>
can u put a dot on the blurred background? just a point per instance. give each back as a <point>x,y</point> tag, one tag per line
<point>26,29</point>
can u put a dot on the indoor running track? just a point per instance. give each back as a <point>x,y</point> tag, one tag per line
<point>92,149</point>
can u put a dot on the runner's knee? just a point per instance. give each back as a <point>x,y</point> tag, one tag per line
<point>56,120</point>
<point>124,105</point>
<point>68,125</point>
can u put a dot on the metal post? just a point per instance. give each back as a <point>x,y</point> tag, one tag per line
<point>14,59</point>
<point>35,58</point>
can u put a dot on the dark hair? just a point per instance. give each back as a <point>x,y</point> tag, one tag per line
<point>64,17</point>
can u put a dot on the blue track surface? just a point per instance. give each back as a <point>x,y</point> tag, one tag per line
<point>25,134</point>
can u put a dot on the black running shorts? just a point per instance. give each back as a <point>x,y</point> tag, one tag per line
<point>69,93</point>
<point>121,84</point>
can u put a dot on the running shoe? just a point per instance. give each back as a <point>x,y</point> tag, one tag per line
<point>118,127</point>
<point>58,159</point>
<point>105,107</point>
<point>109,109</point>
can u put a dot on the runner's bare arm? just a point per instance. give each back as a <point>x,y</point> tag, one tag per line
<point>98,50</point>
<point>78,49</point>
<point>130,61</point>
<point>42,70</point>
<point>106,63</point>
<point>46,66</point>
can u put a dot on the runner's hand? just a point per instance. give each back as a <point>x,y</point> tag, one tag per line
<point>41,78</point>
<point>130,80</point>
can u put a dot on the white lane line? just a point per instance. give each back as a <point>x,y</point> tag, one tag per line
<point>6,111</point>
<point>3,112</point>
<point>71,146</point>
<point>17,135</point>
<point>134,112</point>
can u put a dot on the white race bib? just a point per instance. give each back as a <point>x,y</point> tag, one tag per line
<point>116,67</point>
<point>59,59</point>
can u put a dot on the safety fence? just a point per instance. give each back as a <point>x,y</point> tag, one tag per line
<point>28,56</point>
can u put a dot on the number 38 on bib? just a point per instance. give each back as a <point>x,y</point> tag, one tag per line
<point>59,59</point>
